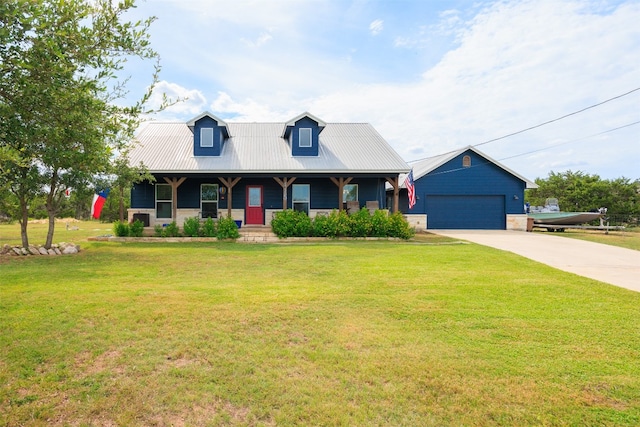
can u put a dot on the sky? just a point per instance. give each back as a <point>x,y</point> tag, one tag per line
<point>431,76</point>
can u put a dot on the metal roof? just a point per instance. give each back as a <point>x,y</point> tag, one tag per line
<point>344,148</point>
<point>424,166</point>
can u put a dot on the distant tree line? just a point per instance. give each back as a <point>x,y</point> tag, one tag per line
<point>579,191</point>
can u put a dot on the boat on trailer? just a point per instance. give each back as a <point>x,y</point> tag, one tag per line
<point>550,214</point>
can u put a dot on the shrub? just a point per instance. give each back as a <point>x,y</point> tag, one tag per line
<point>121,229</point>
<point>171,230</point>
<point>158,230</point>
<point>339,224</point>
<point>360,223</point>
<point>380,223</point>
<point>291,223</point>
<point>321,227</point>
<point>136,228</point>
<point>209,228</point>
<point>399,227</point>
<point>227,228</point>
<point>191,227</point>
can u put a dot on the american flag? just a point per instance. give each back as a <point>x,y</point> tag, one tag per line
<point>411,189</point>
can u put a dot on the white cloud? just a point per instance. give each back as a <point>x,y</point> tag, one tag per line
<point>376,27</point>
<point>261,40</point>
<point>193,101</point>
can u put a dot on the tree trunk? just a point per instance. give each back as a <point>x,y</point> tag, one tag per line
<point>121,204</point>
<point>24,211</point>
<point>52,226</point>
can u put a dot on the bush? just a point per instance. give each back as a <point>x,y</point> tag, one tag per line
<point>158,230</point>
<point>121,229</point>
<point>290,223</point>
<point>171,230</point>
<point>321,227</point>
<point>136,228</point>
<point>339,224</point>
<point>227,228</point>
<point>209,228</point>
<point>380,223</point>
<point>191,227</point>
<point>399,227</point>
<point>360,223</point>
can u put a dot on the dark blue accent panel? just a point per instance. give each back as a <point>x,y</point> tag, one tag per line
<point>218,137</point>
<point>465,212</point>
<point>305,122</point>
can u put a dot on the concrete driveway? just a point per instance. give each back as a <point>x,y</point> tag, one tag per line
<point>609,264</point>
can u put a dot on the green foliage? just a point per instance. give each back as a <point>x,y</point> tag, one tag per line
<point>121,228</point>
<point>227,228</point>
<point>379,223</point>
<point>290,223</point>
<point>361,223</point>
<point>578,191</point>
<point>399,227</point>
<point>191,227</point>
<point>171,230</point>
<point>136,228</point>
<point>209,228</point>
<point>158,230</point>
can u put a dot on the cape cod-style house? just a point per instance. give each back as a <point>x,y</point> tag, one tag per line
<point>207,167</point>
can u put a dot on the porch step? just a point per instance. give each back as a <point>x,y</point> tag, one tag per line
<point>256,234</point>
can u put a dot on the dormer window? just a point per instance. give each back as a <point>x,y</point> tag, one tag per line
<point>206,137</point>
<point>305,137</point>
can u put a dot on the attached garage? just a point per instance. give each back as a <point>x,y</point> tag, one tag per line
<point>466,189</point>
<point>465,212</point>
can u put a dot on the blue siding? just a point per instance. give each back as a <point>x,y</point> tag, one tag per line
<point>218,138</point>
<point>296,150</point>
<point>324,193</point>
<point>482,184</point>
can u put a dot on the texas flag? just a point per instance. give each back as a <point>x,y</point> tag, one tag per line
<point>98,203</point>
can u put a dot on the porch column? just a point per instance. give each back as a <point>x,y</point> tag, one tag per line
<point>229,183</point>
<point>340,182</point>
<point>284,183</point>
<point>395,183</point>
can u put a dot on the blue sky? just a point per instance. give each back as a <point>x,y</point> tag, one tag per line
<point>430,76</point>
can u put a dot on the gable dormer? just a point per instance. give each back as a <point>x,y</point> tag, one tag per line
<point>302,133</point>
<point>209,134</point>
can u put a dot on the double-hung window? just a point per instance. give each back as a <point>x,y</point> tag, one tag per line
<point>301,197</point>
<point>209,200</point>
<point>164,202</point>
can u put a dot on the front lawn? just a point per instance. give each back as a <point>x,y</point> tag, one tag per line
<point>335,333</point>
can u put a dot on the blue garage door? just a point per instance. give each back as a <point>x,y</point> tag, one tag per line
<point>466,212</point>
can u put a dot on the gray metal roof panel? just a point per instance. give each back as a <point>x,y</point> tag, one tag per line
<point>258,147</point>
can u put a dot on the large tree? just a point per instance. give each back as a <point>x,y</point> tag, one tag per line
<point>60,79</point>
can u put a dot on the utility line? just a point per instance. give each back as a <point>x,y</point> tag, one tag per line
<point>549,121</point>
<point>541,149</point>
<point>559,118</point>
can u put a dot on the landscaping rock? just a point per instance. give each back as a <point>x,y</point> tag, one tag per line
<point>64,248</point>
<point>43,251</point>
<point>33,250</point>
<point>69,249</point>
<point>17,251</point>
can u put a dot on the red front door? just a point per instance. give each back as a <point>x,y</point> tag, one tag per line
<point>254,212</point>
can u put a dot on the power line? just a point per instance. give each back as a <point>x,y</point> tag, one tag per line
<point>541,149</point>
<point>559,118</point>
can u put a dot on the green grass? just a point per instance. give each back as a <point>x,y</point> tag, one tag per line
<point>629,238</point>
<point>336,333</point>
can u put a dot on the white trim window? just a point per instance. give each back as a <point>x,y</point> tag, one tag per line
<point>209,200</point>
<point>304,137</point>
<point>350,193</point>
<point>301,195</point>
<point>164,201</point>
<point>206,137</point>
